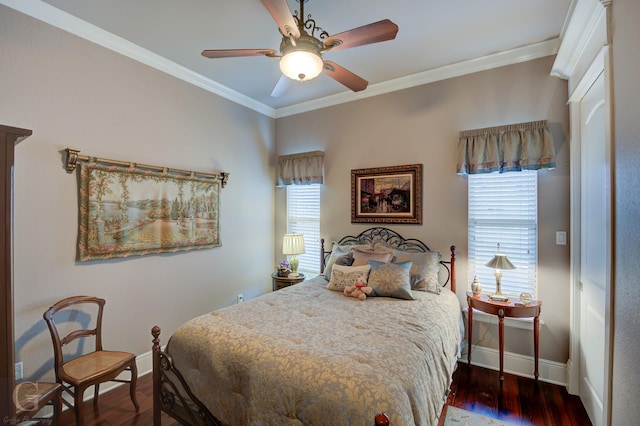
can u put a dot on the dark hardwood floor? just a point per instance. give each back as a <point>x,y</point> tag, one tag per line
<point>522,402</point>
<point>116,409</point>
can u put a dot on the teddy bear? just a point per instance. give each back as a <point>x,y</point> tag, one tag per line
<point>358,290</point>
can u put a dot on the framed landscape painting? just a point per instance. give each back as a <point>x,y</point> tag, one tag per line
<point>387,194</point>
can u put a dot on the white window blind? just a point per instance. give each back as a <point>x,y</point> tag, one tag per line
<point>503,208</point>
<point>303,217</point>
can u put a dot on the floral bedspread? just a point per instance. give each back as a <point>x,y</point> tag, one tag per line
<point>306,355</point>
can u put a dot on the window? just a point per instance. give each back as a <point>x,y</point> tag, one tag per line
<point>503,208</point>
<point>303,217</point>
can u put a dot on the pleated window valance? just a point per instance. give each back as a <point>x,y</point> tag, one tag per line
<point>301,169</point>
<point>516,147</point>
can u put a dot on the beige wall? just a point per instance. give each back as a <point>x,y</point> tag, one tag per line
<point>421,125</point>
<point>626,154</point>
<point>72,93</point>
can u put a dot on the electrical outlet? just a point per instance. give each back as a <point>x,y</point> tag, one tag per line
<point>240,298</point>
<point>19,371</point>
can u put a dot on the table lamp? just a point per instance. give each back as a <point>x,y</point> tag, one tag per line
<point>293,244</point>
<point>499,262</point>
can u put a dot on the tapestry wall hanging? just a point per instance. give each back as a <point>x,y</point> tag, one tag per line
<point>387,194</point>
<point>133,211</point>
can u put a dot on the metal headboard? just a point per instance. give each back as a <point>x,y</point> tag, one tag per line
<point>391,238</point>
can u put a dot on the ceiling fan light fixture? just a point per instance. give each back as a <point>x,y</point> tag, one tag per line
<point>303,44</point>
<point>301,60</point>
<point>301,65</point>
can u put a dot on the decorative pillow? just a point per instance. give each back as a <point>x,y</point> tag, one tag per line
<point>361,257</point>
<point>380,246</point>
<point>343,276</point>
<point>346,260</point>
<point>425,269</point>
<point>338,251</point>
<point>391,279</point>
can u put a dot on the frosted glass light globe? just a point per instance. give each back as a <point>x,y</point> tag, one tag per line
<point>301,65</point>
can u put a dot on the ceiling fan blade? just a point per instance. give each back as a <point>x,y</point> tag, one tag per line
<point>367,34</point>
<point>233,53</point>
<point>281,86</point>
<point>280,12</point>
<point>344,76</point>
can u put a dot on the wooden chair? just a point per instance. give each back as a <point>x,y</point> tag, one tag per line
<point>90,369</point>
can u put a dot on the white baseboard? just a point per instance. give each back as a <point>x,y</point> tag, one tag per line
<point>520,365</point>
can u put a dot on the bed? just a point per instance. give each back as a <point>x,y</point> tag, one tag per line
<point>307,354</point>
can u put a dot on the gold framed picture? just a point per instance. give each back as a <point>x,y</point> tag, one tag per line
<point>387,194</point>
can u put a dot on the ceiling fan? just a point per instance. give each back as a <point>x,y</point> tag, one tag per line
<point>301,49</point>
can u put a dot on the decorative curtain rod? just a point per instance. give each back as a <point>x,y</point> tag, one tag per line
<point>73,157</point>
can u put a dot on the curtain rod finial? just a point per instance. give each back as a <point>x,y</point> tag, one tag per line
<point>225,178</point>
<point>72,159</point>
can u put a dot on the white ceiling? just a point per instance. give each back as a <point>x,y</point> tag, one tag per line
<point>436,39</point>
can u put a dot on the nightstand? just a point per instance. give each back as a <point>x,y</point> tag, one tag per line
<point>511,309</point>
<point>282,282</point>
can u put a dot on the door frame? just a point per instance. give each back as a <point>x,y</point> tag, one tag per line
<point>600,65</point>
<point>582,56</point>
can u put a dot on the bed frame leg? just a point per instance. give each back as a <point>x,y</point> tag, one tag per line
<point>155,332</point>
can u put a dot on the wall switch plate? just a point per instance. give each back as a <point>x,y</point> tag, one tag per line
<point>19,371</point>
<point>240,298</point>
<point>561,238</point>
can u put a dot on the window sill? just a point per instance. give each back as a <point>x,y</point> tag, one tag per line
<point>479,316</point>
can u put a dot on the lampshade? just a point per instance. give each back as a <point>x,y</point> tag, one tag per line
<point>500,261</point>
<point>301,58</point>
<point>293,244</point>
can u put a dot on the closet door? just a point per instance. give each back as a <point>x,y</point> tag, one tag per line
<point>595,262</point>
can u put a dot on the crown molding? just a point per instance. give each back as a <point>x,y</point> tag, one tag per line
<point>508,57</point>
<point>45,12</point>
<point>67,22</point>
<point>586,27</point>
